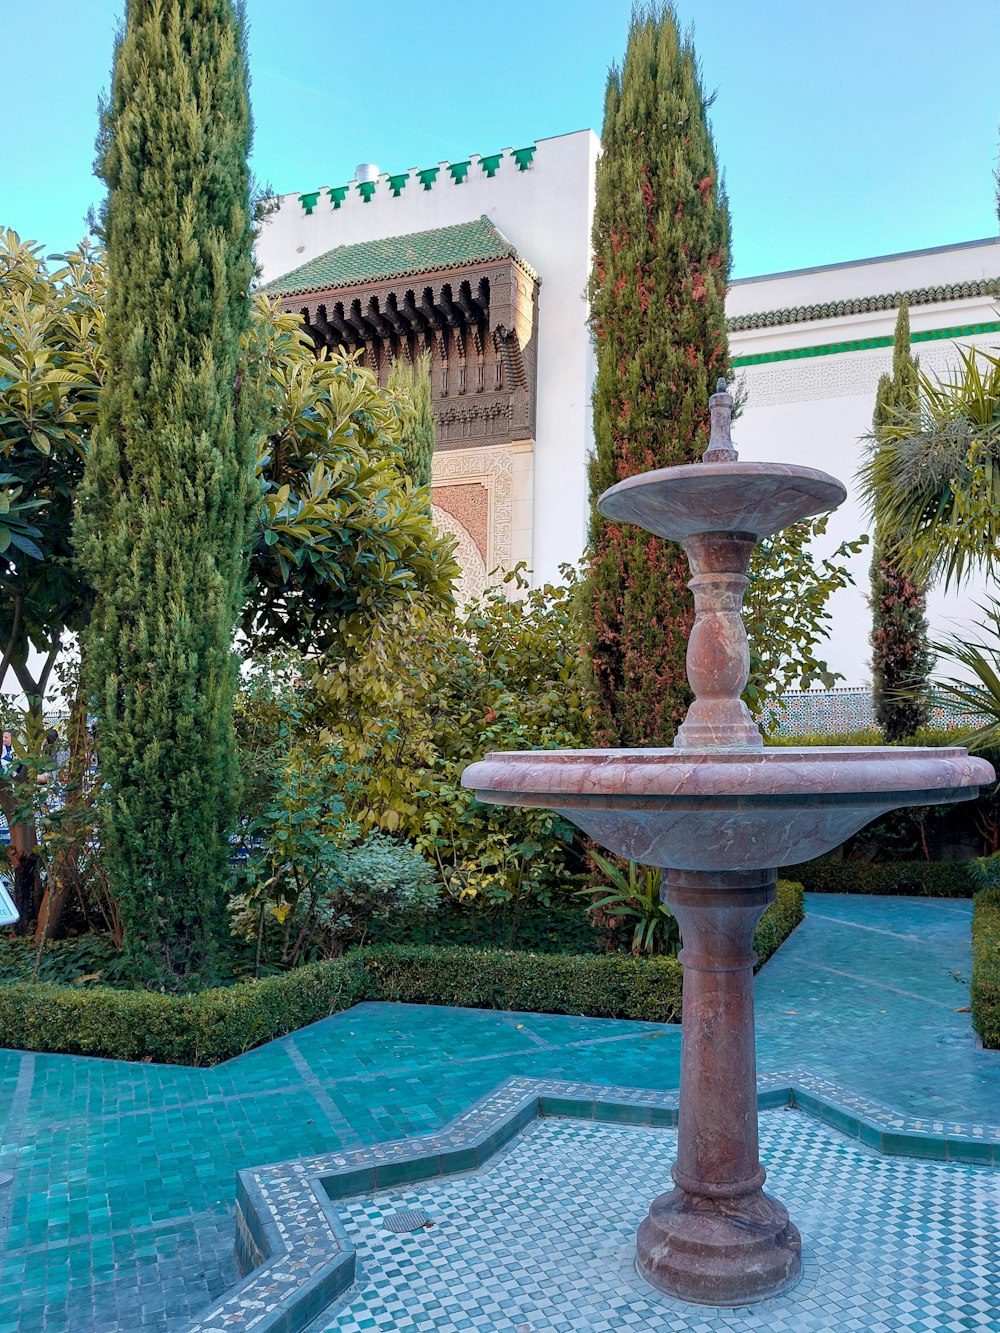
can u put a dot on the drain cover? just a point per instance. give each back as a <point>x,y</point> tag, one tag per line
<point>408,1219</point>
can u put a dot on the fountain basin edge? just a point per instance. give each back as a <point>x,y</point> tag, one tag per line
<point>719,810</point>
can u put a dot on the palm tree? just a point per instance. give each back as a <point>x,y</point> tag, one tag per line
<point>933,477</point>
<point>933,474</point>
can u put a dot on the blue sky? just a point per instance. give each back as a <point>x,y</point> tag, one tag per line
<point>846,128</point>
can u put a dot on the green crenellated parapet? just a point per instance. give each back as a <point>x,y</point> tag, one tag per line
<point>523,157</point>
<point>366,189</point>
<point>491,164</point>
<point>396,183</point>
<point>459,170</point>
<point>428,176</point>
<point>309,201</point>
<point>337,193</point>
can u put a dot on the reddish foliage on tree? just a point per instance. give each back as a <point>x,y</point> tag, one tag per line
<point>657,293</point>
<point>901,655</point>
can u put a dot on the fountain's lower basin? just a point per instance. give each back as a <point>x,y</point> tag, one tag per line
<point>720,822</point>
<point>734,809</point>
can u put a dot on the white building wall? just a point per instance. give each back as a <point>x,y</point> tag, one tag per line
<point>546,212</point>
<point>817,410</point>
<point>814,410</point>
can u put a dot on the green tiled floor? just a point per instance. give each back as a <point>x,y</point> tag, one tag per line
<point>120,1215</point>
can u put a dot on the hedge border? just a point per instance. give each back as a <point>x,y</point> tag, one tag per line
<point>216,1025</point>
<point>919,879</point>
<point>984,991</point>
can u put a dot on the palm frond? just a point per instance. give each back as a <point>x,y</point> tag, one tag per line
<point>977,692</point>
<point>931,480</point>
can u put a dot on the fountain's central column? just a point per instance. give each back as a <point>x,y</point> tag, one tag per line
<point>711,811</point>
<point>717,1238</point>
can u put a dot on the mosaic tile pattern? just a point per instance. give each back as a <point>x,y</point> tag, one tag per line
<point>823,712</point>
<point>285,1222</point>
<point>542,1241</point>
<point>111,1158</point>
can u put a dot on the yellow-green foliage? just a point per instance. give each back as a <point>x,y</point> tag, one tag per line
<point>412,385</point>
<point>426,694</point>
<point>342,534</point>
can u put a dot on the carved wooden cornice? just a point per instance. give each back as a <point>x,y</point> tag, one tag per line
<point>477,321</point>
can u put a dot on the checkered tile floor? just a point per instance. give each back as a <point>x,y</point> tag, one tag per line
<point>542,1241</point>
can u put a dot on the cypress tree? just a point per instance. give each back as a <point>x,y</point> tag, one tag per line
<point>901,653</point>
<point>417,438</point>
<point>168,491</point>
<point>657,293</point>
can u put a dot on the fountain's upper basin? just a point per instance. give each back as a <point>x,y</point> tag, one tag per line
<point>754,498</point>
<point>727,809</point>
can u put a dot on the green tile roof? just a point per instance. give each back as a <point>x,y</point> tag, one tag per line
<point>398,257</point>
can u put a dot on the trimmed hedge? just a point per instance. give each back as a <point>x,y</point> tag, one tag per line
<point>985,989</point>
<point>780,919</point>
<point>176,1029</point>
<point>608,986</point>
<point>218,1024</point>
<point>557,929</point>
<point>918,879</point>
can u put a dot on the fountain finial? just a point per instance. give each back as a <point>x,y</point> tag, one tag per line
<point>720,443</point>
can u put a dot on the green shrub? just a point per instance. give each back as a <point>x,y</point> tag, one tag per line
<point>609,986</point>
<point>175,1029</point>
<point>554,929</point>
<point>872,736</point>
<point>985,989</point>
<point>919,879</point>
<point>219,1024</point>
<point>779,920</point>
<point>612,986</point>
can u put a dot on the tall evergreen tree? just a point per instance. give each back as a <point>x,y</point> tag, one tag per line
<point>168,491</point>
<point>417,437</point>
<point>901,654</point>
<point>657,293</point>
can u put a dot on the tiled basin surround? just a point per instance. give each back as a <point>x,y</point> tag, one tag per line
<point>290,1220</point>
<point>544,1241</point>
<point>121,1212</point>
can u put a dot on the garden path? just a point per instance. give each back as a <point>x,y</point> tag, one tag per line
<point>120,1214</point>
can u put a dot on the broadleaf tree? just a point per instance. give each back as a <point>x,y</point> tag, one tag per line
<point>339,534</point>
<point>657,293</point>
<point>788,616</point>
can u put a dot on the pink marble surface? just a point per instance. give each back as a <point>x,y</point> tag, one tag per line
<point>726,810</point>
<point>655,775</point>
<point>754,498</point>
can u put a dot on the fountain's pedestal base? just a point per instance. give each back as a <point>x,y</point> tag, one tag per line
<point>718,1251</point>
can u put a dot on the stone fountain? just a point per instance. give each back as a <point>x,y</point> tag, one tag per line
<point>720,813</point>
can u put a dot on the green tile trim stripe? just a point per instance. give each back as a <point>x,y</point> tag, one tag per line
<point>861,344</point>
<point>400,256</point>
<point>290,1207</point>
<point>457,172</point>
<point>860,305</point>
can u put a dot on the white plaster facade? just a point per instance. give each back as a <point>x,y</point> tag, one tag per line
<point>812,409</point>
<point>816,410</point>
<point>546,211</point>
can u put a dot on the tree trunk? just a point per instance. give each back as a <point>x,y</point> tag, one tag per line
<point>64,871</point>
